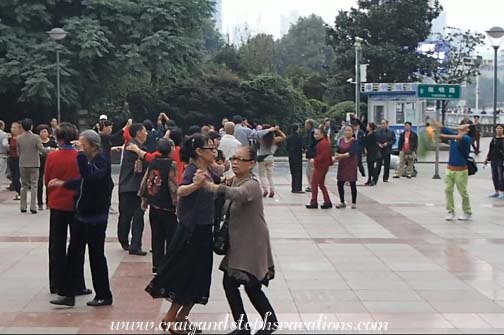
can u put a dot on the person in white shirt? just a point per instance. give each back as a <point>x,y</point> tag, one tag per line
<point>229,144</point>
<point>4,148</point>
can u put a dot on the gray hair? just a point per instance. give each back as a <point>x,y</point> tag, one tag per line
<point>92,137</point>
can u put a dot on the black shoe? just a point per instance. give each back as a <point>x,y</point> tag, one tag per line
<point>82,292</point>
<point>265,331</point>
<point>396,177</point>
<point>138,252</point>
<point>53,291</point>
<point>312,206</point>
<point>99,302</point>
<point>125,246</point>
<point>372,183</point>
<point>326,206</point>
<point>385,180</point>
<point>33,211</point>
<point>24,211</point>
<point>308,189</point>
<point>298,192</point>
<point>64,301</point>
<point>40,207</point>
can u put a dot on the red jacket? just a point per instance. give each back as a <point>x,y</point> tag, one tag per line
<point>61,164</point>
<point>323,159</point>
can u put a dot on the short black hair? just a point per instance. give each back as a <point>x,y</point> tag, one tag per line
<point>164,147</point>
<point>237,119</point>
<point>476,116</point>
<point>294,128</point>
<point>148,125</point>
<point>27,124</point>
<point>135,129</point>
<point>194,130</point>
<point>41,127</point>
<point>213,135</point>
<point>66,132</point>
<point>170,124</point>
<point>104,123</point>
<point>176,136</point>
<point>408,123</point>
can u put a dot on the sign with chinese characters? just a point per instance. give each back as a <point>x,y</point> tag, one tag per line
<point>438,92</point>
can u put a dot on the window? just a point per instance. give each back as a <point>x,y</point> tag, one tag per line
<point>399,113</point>
<point>379,113</point>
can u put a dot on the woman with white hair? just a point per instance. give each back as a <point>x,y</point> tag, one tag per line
<point>94,191</point>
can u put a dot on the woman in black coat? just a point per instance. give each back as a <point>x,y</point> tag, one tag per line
<point>295,149</point>
<point>373,155</point>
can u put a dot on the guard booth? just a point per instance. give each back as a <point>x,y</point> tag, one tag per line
<point>396,102</point>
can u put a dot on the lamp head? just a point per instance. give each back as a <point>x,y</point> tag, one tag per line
<point>495,34</point>
<point>57,34</point>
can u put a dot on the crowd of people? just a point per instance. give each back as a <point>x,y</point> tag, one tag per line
<point>196,184</point>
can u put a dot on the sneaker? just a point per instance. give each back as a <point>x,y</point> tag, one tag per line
<point>465,217</point>
<point>500,197</point>
<point>354,206</point>
<point>326,206</point>
<point>450,217</point>
<point>340,206</point>
<point>495,195</point>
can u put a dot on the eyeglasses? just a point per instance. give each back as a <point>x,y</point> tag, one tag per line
<point>208,148</point>
<point>240,159</point>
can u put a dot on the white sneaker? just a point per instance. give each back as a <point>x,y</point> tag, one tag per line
<point>465,217</point>
<point>451,217</point>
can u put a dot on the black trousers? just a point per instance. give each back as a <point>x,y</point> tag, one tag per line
<point>131,217</point>
<point>385,161</point>
<point>296,170</point>
<point>341,191</point>
<point>373,171</point>
<point>163,225</point>
<point>92,235</point>
<point>40,187</point>
<point>498,176</point>
<point>13,164</point>
<point>360,165</point>
<point>58,229</point>
<point>257,298</point>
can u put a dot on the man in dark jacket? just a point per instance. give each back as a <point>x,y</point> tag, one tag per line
<point>311,152</point>
<point>359,136</point>
<point>408,145</point>
<point>386,139</point>
<point>131,214</point>
<point>295,149</point>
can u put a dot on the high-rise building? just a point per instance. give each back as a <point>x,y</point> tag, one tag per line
<point>218,14</point>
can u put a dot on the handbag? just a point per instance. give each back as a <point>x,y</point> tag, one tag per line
<point>472,167</point>
<point>221,235</point>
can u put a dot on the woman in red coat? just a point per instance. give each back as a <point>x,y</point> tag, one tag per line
<point>321,163</point>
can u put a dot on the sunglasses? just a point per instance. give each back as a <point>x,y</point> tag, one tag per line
<point>240,159</point>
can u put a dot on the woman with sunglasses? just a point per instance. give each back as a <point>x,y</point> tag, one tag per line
<point>249,260</point>
<point>184,276</point>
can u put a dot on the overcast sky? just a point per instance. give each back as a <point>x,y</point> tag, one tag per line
<point>264,15</point>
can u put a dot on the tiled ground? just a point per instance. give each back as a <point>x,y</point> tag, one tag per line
<point>393,260</point>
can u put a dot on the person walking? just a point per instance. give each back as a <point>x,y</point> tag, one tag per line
<point>295,150</point>
<point>47,142</point>
<point>269,139</point>
<point>359,135</point>
<point>131,214</point>
<point>29,146</point>
<point>408,145</point>
<point>311,151</point>
<point>248,235</point>
<point>185,275</point>
<point>348,150</point>
<point>321,163</point>
<point>373,154</point>
<point>477,135</point>
<point>4,150</point>
<point>229,144</point>
<point>13,158</point>
<point>386,139</point>
<point>158,191</point>
<point>496,157</point>
<point>457,172</point>
<point>92,205</point>
<point>62,165</point>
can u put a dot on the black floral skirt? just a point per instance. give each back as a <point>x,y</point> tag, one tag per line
<point>186,273</point>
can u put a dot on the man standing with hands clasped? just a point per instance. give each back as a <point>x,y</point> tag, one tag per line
<point>408,144</point>
<point>386,139</point>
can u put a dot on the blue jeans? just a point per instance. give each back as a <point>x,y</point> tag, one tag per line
<point>497,176</point>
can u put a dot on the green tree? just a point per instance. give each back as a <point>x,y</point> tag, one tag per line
<point>305,45</point>
<point>113,48</point>
<point>391,32</point>
<point>257,55</point>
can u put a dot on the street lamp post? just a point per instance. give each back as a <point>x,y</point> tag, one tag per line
<point>58,34</point>
<point>495,35</point>
<point>358,50</point>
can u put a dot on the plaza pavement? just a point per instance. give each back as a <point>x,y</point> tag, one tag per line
<point>394,260</point>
